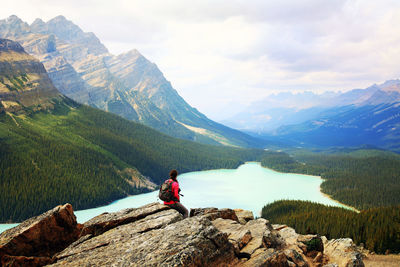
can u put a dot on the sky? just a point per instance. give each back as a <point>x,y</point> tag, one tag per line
<point>222,55</point>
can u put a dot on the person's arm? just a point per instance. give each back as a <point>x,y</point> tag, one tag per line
<point>175,190</point>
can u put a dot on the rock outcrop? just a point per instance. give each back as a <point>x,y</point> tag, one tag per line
<point>161,239</point>
<point>343,252</point>
<point>36,240</point>
<point>155,235</point>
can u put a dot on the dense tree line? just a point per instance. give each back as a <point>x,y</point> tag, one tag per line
<point>362,180</point>
<point>130,141</point>
<point>74,153</point>
<point>377,228</point>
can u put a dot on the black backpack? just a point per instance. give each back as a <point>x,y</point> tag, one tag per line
<point>166,193</point>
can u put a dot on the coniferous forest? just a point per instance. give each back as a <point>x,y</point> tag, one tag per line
<point>377,228</point>
<point>366,179</point>
<point>362,179</point>
<point>77,154</point>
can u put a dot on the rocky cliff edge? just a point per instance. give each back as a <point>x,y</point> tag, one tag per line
<point>154,235</point>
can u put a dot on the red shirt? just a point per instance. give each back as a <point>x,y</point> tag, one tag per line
<point>175,191</point>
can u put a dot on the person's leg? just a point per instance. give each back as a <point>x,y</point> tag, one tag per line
<point>182,210</point>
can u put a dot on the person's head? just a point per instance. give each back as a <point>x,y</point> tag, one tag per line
<point>173,174</point>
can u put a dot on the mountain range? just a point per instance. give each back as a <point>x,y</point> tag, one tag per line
<point>55,150</point>
<point>369,116</point>
<point>128,85</point>
<point>287,108</point>
<point>376,125</point>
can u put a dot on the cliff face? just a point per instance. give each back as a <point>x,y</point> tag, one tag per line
<point>128,85</point>
<point>23,79</point>
<point>154,235</point>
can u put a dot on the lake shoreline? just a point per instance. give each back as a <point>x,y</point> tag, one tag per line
<point>196,200</point>
<point>337,201</point>
<point>320,190</point>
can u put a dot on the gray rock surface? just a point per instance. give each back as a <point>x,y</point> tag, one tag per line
<point>155,235</point>
<point>107,221</point>
<point>320,251</point>
<point>343,252</point>
<point>256,241</point>
<point>237,234</point>
<point>190,242</point>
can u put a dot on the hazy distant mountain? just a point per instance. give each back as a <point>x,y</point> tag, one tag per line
<point>288,108</point>
<point>128,85</point>
<point>377,125</point>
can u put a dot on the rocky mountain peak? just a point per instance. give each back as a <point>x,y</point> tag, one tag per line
<point>391,86</point>
<point>59,26</point>
<point>13,26</point>
<point>14,19</point>
<point>132,53</point>
<point>38,23</point>
<point>59,18</point>
<point>69,32</point>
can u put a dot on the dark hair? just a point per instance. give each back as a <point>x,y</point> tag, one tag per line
<point>173,174</point>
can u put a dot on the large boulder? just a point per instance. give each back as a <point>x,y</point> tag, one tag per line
<point>303,250</point>
<point>161,239</point>
<point>343,252</point>
<point>256,243</point>
<point>40,236</point>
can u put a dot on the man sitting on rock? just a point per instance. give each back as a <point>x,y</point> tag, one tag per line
<point>175,201</point>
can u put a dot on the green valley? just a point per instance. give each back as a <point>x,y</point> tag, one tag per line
<point>77,154</point>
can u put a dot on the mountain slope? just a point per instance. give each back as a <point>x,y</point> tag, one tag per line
<point>54,150</point>
<point>128,85</point>
<point>23,80</point>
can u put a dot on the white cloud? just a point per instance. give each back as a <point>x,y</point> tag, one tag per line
<point>220,55</point>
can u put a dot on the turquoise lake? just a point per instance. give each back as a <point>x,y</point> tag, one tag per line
<point>248,187</point>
